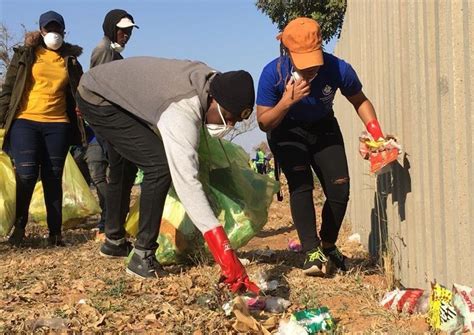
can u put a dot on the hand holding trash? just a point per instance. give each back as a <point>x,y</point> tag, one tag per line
<point>380,152</point>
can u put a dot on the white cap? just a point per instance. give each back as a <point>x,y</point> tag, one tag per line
<point>125,22</point>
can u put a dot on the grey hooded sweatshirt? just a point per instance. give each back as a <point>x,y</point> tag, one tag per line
<point>171,95</point>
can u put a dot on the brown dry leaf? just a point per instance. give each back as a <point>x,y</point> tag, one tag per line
<point>101,320</point>
<point>245,322</point>
<point>149,318</point>
<point>197,332</point>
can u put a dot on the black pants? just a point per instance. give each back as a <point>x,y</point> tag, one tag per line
<point>300,149</point>
<point>129,138</point>
<point>39,148</point>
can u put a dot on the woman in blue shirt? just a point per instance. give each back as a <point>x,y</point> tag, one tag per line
<point>295,107</point>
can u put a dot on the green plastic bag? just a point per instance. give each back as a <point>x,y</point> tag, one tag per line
<point>7,191</point>
<point>239,197</point>
<point>78,200</point>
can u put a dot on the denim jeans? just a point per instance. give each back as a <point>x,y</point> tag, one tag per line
<point>39,148</point>
<point>300,149</point>
<point>131,143</point>
<point>97,164</point>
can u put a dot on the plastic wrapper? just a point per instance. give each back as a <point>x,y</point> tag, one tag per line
<point>402,300</point>
<point>442,315</point>
<point>381,153</point>
<point>314,320</point>
<point>7,191</point>
<point>463,301</point>
<point>239,197</point>
<point>78,200</point>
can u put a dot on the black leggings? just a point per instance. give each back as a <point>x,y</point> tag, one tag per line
<point>298,147</point>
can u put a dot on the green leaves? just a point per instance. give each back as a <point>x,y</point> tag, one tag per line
<point>328,13</point>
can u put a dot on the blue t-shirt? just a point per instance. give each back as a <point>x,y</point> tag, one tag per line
<point>334,74</point>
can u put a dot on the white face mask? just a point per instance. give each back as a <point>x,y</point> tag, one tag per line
<point>117,47</point>
<point>219,130</point>
<point>53,41</point>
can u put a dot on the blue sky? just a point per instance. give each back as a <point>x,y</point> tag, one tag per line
<point>225,34</point>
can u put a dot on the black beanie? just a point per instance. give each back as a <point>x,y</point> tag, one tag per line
<point>234,91</point>
<point>110,22</point>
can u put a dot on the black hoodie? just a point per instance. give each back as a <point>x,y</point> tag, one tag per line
<point>110,22</point>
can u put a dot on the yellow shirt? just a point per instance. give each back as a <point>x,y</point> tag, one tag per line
<point>44,99</point>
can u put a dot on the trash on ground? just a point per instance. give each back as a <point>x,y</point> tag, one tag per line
<point>244,261</point>
<point>442,315</point>
<point>463,301</point>
<point>290,327</point>
<point>294,245</point>
<point>314,320</point>
<point>354,238</point>
<point>276,304</point>
<point>261,279</point>
<point>244,321</point>
<point>404,300</point>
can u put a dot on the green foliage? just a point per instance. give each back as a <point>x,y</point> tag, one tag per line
<point>328,13</point>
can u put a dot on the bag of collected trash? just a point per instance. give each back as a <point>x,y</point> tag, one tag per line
<point>239,197</point>
<point>404,300</point>
<point>7,191</point>
<point>314,320</point>
<point>463,301</point>
<point>78,200</point>
<point>381,152</point>
<point>442,315</point>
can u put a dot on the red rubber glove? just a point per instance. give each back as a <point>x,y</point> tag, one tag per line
<point>373,127</point>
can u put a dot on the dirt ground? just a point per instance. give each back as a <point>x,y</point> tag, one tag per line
<point>73,289</point>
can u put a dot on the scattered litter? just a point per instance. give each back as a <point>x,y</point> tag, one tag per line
<point>245,322</point>
<point>261,280</point>
<point>290,327</point>
<point>442,315</point>
<point>402,300</point>
<point>294,245</point>
<point>227,307</point>
<point>244,261</point>
<point>423,304</point>
<point>257,303</point>
<point>463,301</point>
<point>276,304</point>
<point>354,238</point>
<point>314,320</point>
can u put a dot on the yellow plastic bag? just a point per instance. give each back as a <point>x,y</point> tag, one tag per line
<point>7,191</point>
<point>78,200</point>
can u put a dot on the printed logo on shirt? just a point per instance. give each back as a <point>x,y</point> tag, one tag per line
<point>327,90</point>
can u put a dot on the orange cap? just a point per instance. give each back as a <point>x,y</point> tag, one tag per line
<point>302,38</point>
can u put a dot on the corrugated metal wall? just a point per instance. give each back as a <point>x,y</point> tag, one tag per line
<point>416,60</point>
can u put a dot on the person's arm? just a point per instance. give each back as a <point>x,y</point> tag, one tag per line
<point>7,88</point>
<point>366,112</point>
<point>180,130</point>
<point>269,118</point>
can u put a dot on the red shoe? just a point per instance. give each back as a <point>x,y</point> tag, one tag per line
<point>233,272</point>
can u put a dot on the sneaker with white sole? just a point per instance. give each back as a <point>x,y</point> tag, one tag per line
<point>316,263</point>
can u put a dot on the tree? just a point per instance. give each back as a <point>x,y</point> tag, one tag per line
<point>328,13</point>
<point>243,127</point>
<point>7,43</point>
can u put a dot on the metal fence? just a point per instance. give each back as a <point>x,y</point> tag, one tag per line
<point>415,59</point>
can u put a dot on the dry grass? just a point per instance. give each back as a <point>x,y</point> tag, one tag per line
<point>76,290</point>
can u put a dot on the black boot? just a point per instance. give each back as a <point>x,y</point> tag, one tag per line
<point>17,237</point>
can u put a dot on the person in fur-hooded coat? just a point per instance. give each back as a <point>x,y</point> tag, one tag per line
<point>38,114</point>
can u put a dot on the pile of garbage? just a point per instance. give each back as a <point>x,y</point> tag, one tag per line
<point>447,310</point>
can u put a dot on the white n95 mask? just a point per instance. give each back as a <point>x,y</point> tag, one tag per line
<point>53,41</point>
<point>219,130</point>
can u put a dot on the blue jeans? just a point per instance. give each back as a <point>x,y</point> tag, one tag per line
<point>34,145</point>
